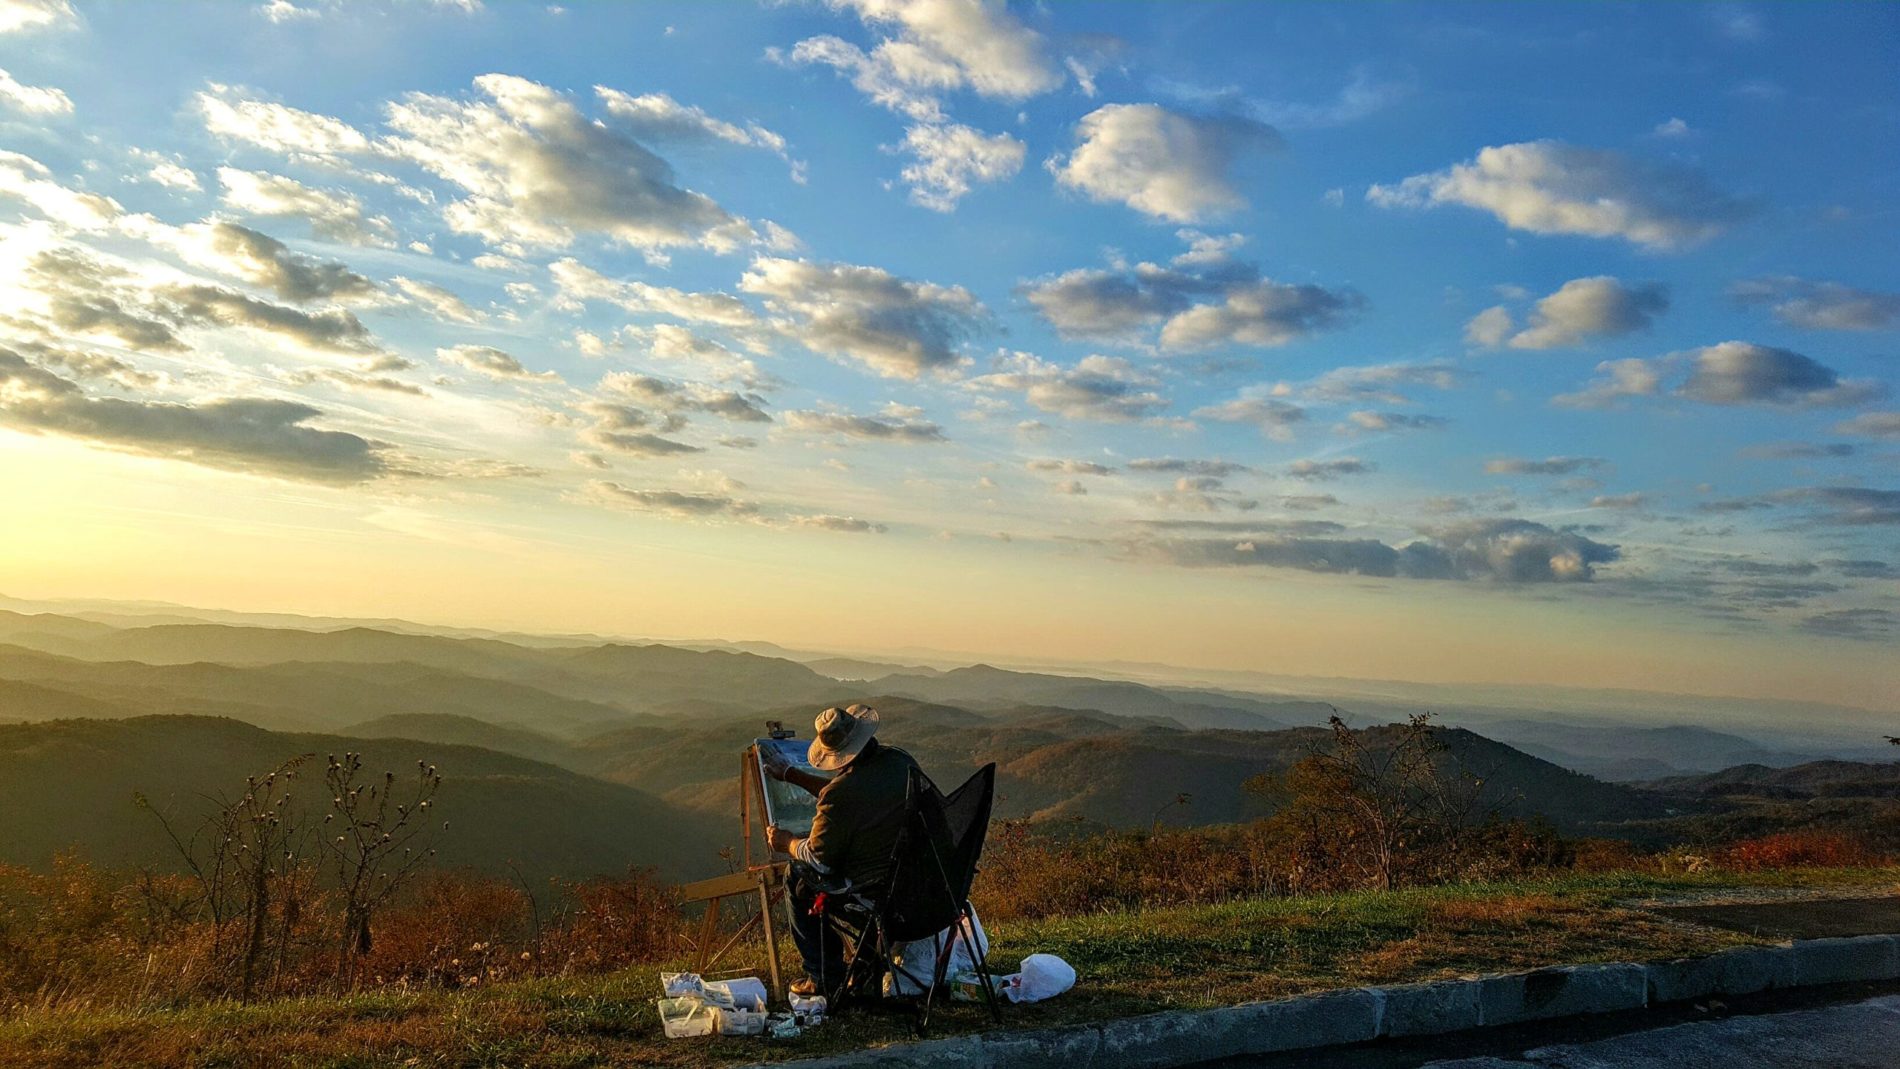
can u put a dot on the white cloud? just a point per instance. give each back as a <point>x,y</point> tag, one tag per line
<point>623,428</point>
<point>1548,187</point>
<point>1163,163</point>
<point>577,282</point>
<point>72,293</point>
<point>932,47</point>
<point>904,430</point>
<point>673,343</point>
<point>1275,418</point>
<point>1068,466</point>
<point>1730,373</point>
<point>1884,425</point>
<point>1586,308</point>
<point>1262,314</point>
<point>676,503</point>
<point>1099,388</point>
<point>33,99</point>
<point>167,171</point>
<point>27,180</point>
<point>491,362</point>
<point>1327,470</point>
<point>1369,420</point>
<point>262,260</point>
<point>659,117</point>
<point>1672,128</point>
<point>1736,373</point>
<point>25,16</point>
<point>894,326</point>
<point>1217,469</point>
<point>839,524</point>
<point>1202,298</point>
<point>272,126</point>
<point>1547,466</point>
<point>1616,379</point>
<point>1490,327</point>
<point>282,11</point>
<point>337,216</point>
<point>489,261</point>
<point>1363,95</point>
<point>1813,305</point>
<point>255,435</point>
<point>952,158</point>
<point>440,302</point>
<point>538,172</point>
<point>679,397</point>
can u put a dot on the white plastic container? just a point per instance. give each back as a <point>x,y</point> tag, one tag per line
<point>683,1018</point>
<point>734,992</point>
<point>810,1010</point>
<point>745,1019</point>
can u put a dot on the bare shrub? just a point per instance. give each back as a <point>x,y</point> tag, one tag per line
<point>609,923</point>
<point>245,862</point>
<point>1379,807</point>
<point>376,843</point>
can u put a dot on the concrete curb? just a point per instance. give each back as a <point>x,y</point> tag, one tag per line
<point>1337,1018</point>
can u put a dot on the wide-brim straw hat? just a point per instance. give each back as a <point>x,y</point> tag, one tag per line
<point>841,736</point>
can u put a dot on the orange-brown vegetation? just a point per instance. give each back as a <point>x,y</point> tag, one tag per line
<point>1819,849</point>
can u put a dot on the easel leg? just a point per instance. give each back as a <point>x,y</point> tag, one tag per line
<point>708,929</point>
<point>771,942</point>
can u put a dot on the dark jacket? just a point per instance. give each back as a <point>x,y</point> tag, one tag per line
<point>860,813</point>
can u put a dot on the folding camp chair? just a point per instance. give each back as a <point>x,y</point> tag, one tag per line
<point>927,895</point>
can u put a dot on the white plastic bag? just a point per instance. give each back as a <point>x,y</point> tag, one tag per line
<point>681,984</point>
<point>915,963</point>
<point>1042,976</point>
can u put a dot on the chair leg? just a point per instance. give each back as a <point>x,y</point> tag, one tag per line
<point>981,959</point>
<point>937,975</point>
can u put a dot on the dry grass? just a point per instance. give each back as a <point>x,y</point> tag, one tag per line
<point>1128,962</point>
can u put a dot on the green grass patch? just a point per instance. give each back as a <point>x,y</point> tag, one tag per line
<point>1127,963</point>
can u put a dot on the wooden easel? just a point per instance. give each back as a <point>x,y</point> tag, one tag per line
<point>766,880</point>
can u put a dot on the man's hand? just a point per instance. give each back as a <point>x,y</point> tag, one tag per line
<point>773,762</point>
<point>779,839</point>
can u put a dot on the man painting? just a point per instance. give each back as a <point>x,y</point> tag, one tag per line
<point>860,813</point>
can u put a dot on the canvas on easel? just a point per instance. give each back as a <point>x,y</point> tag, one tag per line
<point>790,807</point>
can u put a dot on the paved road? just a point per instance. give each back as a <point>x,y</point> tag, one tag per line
<point>1855,1035</point>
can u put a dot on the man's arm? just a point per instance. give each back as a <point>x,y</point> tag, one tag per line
<point>778,768</point>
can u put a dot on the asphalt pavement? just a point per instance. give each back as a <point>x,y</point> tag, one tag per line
<point>1846,1026</point>
<point>1856,1035</point>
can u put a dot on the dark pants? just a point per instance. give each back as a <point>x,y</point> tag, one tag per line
<point>819,946</point>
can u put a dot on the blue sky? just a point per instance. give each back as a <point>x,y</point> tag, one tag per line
<point>1577,319</point>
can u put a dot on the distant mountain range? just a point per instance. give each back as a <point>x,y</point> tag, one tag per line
<point>568,756</point>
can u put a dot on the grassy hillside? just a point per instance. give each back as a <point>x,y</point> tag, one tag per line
<point>70,784</point>
<point>1184,958</point>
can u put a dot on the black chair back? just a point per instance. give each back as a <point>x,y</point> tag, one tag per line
<point>936,857</point>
